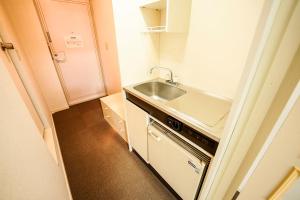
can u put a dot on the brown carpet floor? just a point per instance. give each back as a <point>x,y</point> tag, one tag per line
<point>97,160</point>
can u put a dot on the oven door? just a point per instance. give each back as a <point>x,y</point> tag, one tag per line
<point>182,170</point>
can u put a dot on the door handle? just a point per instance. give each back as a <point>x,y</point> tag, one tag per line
<point>59,57</point>
<point>156,137</point>
<point>6,46</point>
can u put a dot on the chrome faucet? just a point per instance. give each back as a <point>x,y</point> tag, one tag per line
<point>171,80</point>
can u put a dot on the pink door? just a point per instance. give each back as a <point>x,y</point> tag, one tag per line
<point>73,44</point>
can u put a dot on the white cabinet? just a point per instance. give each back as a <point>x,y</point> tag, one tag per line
<point>166,15</point>
<point>177,166</point>
<point>113,111</point>
<point>137,122</point>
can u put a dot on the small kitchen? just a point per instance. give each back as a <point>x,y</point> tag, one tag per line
<point>144,99</point>
<point>177,88</point>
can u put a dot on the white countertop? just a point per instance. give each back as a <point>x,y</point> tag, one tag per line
<point>202,111</point>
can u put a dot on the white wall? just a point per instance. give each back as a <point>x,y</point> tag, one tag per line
<point>27,170</point>
<point>137,51</point>
<point>26,24</point>
<point>212,55</point>
<point>106,38</point>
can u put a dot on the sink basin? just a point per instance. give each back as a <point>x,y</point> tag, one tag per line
<point>160,91</point>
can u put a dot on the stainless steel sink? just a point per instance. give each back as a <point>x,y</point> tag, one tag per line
<point>160,91</point>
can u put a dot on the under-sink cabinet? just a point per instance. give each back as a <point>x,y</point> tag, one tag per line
<point>152,135</point>
<point>137,123</point>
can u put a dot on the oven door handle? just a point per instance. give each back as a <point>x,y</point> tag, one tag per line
<point>154,136</point>
<point>197,169</point>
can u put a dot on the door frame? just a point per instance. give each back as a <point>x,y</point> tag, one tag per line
<point>25,90</point>
<point>275,130</point>
<point>22,79</point>
<point>47,36</point>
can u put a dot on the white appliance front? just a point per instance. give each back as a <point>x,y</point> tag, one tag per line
<point>178,167</point>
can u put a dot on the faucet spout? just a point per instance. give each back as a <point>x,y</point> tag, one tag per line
<point>171,80</point>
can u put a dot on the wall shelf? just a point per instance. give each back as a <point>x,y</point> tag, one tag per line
<point>155,29</point>
<point>154,4</point>
<point>166,15</point>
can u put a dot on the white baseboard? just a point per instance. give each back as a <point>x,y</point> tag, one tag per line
<point>59,158</point>
<point>49,140</point>
<point>86,98</point>
<point>79,100</point>
<point>60,109</point>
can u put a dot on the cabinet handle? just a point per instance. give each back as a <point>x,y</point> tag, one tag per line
<point>107,116</point>
<point>156,137</point>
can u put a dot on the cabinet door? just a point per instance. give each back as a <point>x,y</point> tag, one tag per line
<point>137,122</point>
<point>178,167</point>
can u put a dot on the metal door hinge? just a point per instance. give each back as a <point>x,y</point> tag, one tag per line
<point>5,46</point>
<point>235,196</point>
